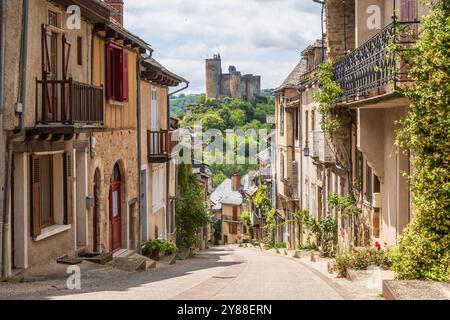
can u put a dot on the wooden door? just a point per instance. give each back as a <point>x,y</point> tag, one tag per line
<point>115,211</point>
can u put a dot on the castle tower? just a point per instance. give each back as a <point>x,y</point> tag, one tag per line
<point>235,83</point>
<point>213,76</point>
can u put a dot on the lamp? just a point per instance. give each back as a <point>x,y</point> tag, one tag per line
<point>306,152</point>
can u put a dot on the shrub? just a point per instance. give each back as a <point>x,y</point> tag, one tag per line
<point>307,246</point>
<point>281,245</point>
<point>153,248</point>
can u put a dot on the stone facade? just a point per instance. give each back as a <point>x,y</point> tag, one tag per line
<point>232,85</point>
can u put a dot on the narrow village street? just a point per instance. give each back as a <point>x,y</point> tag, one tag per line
<point>221,273</point>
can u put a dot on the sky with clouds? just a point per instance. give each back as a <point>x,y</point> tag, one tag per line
<point>263,37</point>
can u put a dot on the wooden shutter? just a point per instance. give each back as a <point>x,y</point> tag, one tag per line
<point>47,72</point>
<point>125,74</point>
<point>66,56</point>
<point>409,10</point>
<point>68,188</point>
<point>35,196</point>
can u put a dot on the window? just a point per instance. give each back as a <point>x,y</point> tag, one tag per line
<point>313,120</point>
<point>51,191</point>
<point>232,228</point>
<point>158,187</point>
<point>307,127</point>
<point>53,19</point>
<point>154,110</point>
<point>235,214</point>
<point>296,124</point>
<point>282,167</point>
<point>376,184</point>
<point>80,51</point>
<point>368,182</point>
<point>282,117</point>
<point>46,194</point>
<point>116,73</point>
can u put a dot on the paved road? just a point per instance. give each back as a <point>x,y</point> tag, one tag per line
<point>223,273</point>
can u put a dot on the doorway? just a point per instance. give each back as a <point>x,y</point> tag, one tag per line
<point>115,210</point>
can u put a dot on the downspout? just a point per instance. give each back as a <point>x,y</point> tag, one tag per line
<point>2,108</point>
<point>6,236</point>
<point>168,164</point>
<point>139,142</point>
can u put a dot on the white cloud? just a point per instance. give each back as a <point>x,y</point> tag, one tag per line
<point>258,36</point>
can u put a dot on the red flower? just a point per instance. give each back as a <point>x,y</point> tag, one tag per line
<point>377,245</point>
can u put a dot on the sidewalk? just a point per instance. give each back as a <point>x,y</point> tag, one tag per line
<point>365,286</point>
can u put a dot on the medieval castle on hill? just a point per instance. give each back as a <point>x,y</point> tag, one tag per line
<point>232,84</point>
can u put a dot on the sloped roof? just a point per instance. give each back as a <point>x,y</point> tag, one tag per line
<point>224,195</point>
<point>293,79</point>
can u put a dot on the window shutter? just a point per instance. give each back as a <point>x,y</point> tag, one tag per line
<point>68,188</point>
<point>35,196</point>
<point>125,74</point>
<point>66,56</point>
<point>47,97</point>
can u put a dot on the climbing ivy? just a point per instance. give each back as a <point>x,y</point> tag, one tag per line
<point>424,247</point>
<point>191,213</point>
<point>328,97</point>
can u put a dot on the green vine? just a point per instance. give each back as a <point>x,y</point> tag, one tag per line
<point>191,213</point>
<point>328,97</point>
<point>424,247</point>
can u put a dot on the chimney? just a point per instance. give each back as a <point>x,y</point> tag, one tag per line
<point>236,182</point>
<point>118,6</point>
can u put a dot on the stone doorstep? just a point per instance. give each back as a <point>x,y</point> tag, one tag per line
<point>133,262</point>
<point>415,290</point>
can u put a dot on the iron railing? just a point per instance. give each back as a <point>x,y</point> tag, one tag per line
<point>68,102</point>
<point>367,70</point>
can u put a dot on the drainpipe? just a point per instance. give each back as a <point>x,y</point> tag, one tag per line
<point>6,236</point>
<point>168,164</point>
<point>2,106</point>
<point>139,139</point>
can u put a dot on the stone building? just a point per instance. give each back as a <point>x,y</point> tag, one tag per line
<point>79,136</point>
<point>361,157</point>
<point>232,85</point>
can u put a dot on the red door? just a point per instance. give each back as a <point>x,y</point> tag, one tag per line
<point>115,211</point>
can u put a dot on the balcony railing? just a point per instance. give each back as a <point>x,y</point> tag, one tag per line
<point>158,146</point>
<point>368,70</point>
<point>230,219</point>
<point>68,102</point>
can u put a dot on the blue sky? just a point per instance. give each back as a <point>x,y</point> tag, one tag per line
<point>263,37</point>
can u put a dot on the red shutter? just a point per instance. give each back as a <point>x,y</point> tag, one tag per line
<point>68,188</point>
<point>35,196</point>
<point>125,74</point>
<point>118,74</point>
<point>66,56</point>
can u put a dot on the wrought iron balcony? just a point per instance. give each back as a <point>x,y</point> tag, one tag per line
<point>158,146</point>
<point>68,103</point>
<point>372,69</point>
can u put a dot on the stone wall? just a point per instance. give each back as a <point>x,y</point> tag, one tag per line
<point>340,17</point>
<point>119,146</point>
